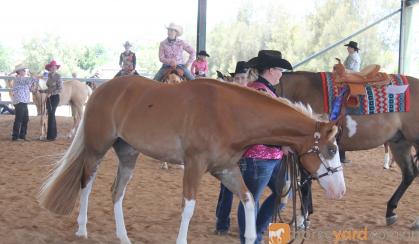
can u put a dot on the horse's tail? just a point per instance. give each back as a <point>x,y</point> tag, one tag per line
<point>60,191</point>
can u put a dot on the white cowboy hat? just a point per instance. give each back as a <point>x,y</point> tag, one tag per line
<point>19,67</point>
<point>127,43</point>
<point>177,28</point>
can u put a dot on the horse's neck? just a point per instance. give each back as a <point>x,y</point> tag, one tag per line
<point>305,87</point>
<point>279,124</point>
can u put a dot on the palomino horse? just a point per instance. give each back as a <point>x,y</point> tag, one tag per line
<point>74,93</point>
<point>208,130</point>
<point>400,130</point>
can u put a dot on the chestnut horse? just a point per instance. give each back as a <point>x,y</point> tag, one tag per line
<point>205,124</point>
<point>400,130</point>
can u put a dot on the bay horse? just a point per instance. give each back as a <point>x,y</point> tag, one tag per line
<point>74,93</point>
<point>208,130</point>
<point>362,132</point>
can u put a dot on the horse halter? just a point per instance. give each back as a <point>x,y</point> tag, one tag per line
<point>316,149</point>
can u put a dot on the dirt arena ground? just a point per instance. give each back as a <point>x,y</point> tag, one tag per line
<point>153,200</point>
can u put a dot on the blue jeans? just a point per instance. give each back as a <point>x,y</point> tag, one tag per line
<point>165,67</point>
<point>257,174</point>
<point>225,200</point>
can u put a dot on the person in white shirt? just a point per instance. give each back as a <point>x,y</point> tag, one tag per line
<point>353,61</point>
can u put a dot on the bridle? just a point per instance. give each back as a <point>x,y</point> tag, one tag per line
<point>316,149</point>
<point>291,165</point>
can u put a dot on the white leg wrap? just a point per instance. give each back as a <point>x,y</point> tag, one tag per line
<point>84,204</point>
<point>121,232</point>
<point>386,160</point>
<point>249,209</point>
<point>186,217</point>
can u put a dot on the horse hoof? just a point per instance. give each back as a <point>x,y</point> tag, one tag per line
<point>391,220</point>
<point>81,234</point>
<point>415,225</point>
<point>164,166</point>
<point>125,240</point>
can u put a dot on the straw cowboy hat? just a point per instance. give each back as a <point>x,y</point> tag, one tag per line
<point>352,44</point>
<point>127,44</point>
<point>177,28</point>
<point>52,63</point>
<point>269,59</point>
<point>19,67</point>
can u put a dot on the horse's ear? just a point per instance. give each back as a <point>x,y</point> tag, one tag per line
<point>332,132</point>
<point>338,59</point>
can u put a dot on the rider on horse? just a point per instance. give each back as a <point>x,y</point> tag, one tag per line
<point>171,53</point>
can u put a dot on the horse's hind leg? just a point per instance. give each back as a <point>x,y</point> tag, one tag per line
<point>400,148</point>
<point>233,180</point>
<point>127,156</point>
<point>84,203</point>
<point>76,112</point>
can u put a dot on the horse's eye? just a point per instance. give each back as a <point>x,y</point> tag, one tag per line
<point>331,150</point>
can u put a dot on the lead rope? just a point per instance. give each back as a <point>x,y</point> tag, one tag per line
<point>290,165</point>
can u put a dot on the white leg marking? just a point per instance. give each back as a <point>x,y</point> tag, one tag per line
<point>387,160</point>
<point>249,211</point>
<point>121,232</point>
<point>184,224</point>
<point>351,125</point>
<point>84,204</point>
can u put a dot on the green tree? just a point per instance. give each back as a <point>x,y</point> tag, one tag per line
<point>5,62</point>
<point>92,57</point>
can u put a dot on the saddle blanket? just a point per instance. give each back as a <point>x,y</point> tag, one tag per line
<point>394,97</point>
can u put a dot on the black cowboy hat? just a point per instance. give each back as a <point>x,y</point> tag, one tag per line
<point>203,53</point>
<point>241,67</point>
<point>269,59</point>
<point>352,44</point>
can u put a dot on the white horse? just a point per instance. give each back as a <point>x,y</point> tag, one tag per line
<point>74,93</point>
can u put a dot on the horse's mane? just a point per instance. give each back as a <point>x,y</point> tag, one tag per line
<point>298,106</point>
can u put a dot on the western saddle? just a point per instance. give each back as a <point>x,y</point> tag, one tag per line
<point>358,80</point>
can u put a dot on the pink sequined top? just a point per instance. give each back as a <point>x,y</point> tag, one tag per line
<point>263,151</point>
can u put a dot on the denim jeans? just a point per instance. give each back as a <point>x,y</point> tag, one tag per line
<point>257,174</point>
<point>164,67</point>
<point>225,200</point>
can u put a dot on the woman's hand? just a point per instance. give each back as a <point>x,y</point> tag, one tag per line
<point>173,63</point>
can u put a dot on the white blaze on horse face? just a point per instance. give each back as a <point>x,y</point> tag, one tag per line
<point>351,125</point>
<point>334,183</point>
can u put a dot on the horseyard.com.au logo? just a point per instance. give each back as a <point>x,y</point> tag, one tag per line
<point>279,233</point>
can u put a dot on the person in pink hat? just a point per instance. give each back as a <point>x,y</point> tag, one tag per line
<point>55,86</point>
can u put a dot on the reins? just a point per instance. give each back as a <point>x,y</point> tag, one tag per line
<point>290,165</point>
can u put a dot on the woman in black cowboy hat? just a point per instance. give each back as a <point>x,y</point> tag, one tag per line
<point>260,163</point>
<point>353,61</point>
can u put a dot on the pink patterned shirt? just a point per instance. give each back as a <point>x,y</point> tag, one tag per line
<point>199,67</point>
<point>174,50</point>
<point>263,151</point>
